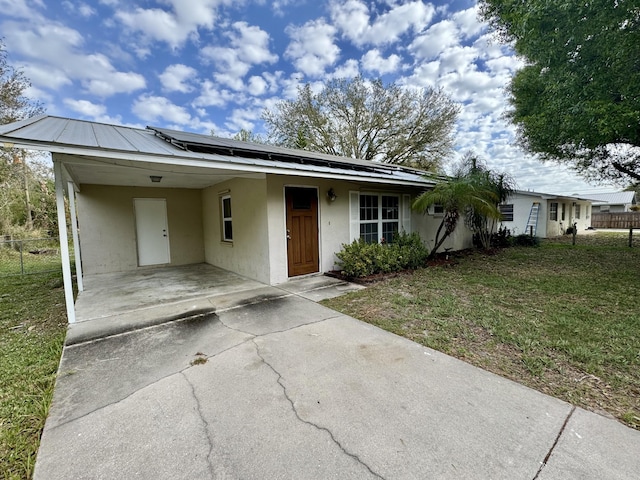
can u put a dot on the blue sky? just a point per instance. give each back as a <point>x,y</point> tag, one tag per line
<point>203,65</point>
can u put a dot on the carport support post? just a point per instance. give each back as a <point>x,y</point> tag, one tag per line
<point>64,243</point>
<point>74,230</point>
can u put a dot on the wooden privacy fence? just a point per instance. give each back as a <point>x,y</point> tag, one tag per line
<point>616,220</point>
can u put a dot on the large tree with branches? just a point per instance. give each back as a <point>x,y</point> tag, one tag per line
<point>26,191</point>
<point>369,120</point>
<point>577,100</point>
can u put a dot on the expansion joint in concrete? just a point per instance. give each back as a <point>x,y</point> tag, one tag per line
<point>307,422</point>
<point>555,443</point>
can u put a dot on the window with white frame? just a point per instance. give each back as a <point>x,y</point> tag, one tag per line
<point>577,211</point>
<point>553,211</point>
<point>227,224</point>
<point>438,209</point>
<point>379,217</point>
<point>506,210</point>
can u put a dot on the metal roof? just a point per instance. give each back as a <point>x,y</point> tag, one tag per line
<point>551,196</point>
<point>615,198</point>
<point>154,144</point>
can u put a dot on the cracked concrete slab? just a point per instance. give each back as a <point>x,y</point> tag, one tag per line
<point>155,433</point>
<point>93,375</point>
<point>255,431</point>
<point>408,411</point>
<point>291,389</point>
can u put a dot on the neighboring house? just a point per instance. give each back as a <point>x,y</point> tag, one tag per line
<point>148,197</point>
<point>544,214</point>
<point>612,202</point>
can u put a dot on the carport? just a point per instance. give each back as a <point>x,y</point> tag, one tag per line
<point>115,303</point>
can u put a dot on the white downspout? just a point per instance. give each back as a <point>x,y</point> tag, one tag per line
<point>64,243</point>
<point>76,239</point>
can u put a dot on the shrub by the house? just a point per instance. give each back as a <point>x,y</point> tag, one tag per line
<point>361,259</point>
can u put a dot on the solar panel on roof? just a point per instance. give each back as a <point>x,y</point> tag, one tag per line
<point>210,144</point>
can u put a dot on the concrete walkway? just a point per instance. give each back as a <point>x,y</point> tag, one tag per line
<point>273,385</point>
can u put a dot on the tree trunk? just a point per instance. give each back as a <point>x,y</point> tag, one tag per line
<point>21,158</point>
<point>439,241</point>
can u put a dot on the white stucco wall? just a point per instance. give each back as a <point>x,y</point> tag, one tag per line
<point>522,203</point>
<point>333,221</point>
<point>248,253</point>
<point>427,226</point>
<point>106,222</point>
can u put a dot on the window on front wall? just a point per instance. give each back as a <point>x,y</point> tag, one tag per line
<point>506,211</point>
<point>577,211</point>
<point>553,211</point>
<point>438,209</point>
<point>564,207</point>
<point>227,224</point>
<point>379,217</point>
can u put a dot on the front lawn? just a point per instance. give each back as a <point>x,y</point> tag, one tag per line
<point>32,328</point>
<point>559,318</point>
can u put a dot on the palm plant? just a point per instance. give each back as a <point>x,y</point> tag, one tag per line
<point>458,196</point>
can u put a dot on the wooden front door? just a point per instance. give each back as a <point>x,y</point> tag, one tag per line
<point>302,230</point>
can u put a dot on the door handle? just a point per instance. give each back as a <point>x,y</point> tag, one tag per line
<point>288,234</point>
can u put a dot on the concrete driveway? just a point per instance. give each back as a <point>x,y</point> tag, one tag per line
<point>276,386</point>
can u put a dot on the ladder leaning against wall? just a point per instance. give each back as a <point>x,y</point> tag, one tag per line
<point>532,223</point>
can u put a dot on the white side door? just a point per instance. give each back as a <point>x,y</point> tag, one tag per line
<point>152,233</point>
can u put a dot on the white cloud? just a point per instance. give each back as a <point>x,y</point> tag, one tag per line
<point>51,45</point>
<point>436,39</point>
<point>153,108</point>
<point>85,107</point>
<point>373,61</point>
<point>353,19</point>
<point>467,22</point>
<point>458,59</point>
<point>249,46</point>
<point>312,48</point>
<point>20,8</point>
<point>349,69</point>
<point>243,119</point>
<point>257,86</point>
<point>279,6</point>
<point>38,74</point>
<point>94,111</point>
<point>177,78</point>
<point>175,26</point>
<point>211,96</point>
<point>82,9</point>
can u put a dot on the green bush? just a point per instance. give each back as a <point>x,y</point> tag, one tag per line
<point>526,240</point>
<point>361,259</point>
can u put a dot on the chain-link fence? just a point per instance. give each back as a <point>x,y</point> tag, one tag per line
<point>26,256</point>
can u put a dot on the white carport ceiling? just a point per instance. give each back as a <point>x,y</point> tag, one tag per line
<point>137,174</point>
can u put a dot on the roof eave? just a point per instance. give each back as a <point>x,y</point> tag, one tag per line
<point>212,162</point>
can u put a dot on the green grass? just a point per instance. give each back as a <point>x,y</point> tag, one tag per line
<point>12,263</point>
<point>558,318</point>
<point>32,328</point>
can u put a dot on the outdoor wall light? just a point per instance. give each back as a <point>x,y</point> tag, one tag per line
<point>331,195</point>
<point>155,178</point>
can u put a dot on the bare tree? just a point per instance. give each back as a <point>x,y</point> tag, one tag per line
<point>368,120</point>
